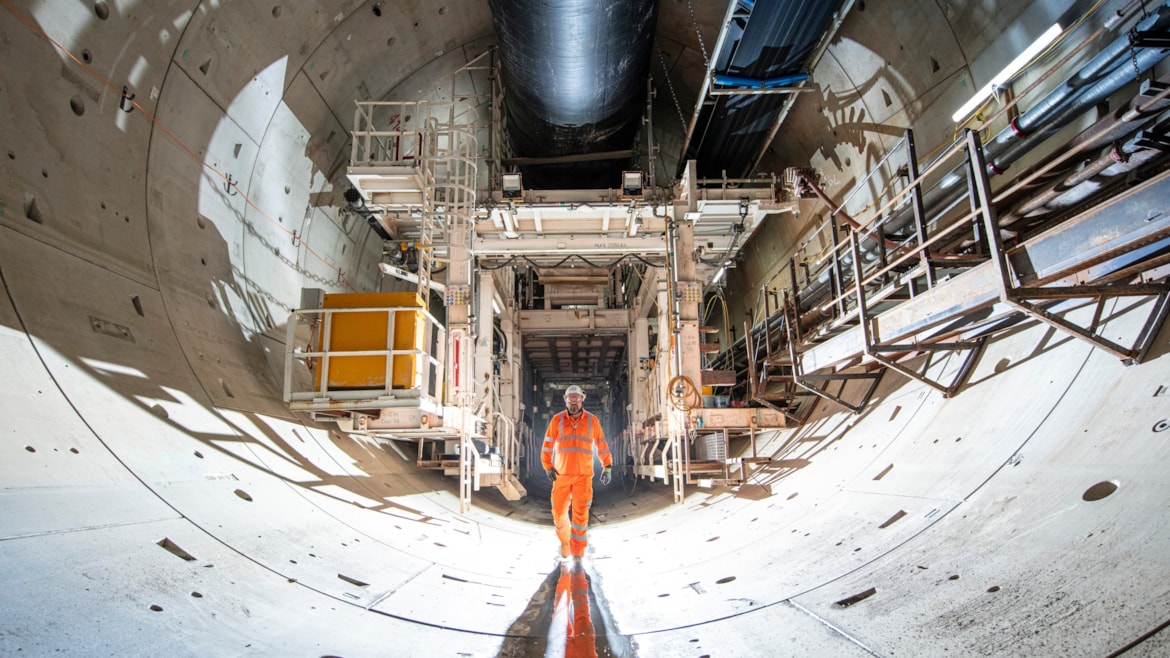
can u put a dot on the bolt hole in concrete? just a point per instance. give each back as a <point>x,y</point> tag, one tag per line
<point>156,608</point>
<point>102,10</point>
<point>953,577</point>
<point>32,211</point>
<point>75,451</point>
<point>1099,490</point>
<point>1003,365</point>
<point>226,391</point>
<point>197,595</point>
<point>1162,425</point>
<point>199,454</point>
<point>243,494</point>
<point>856,598</point>
<point>893,519</point>
<point>159,411</point>
<point>993,589</point>
<point>355,581</point>
<point>175,549</point>
<point>276,12</point>
<point>77,105</point>
<point>30,448</point>
<point>723,581</point>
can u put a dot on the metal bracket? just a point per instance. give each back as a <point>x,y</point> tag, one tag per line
<point>802,380</point>
<point>126,102</point>
<point>1020,296</point>
<point>874,349</point>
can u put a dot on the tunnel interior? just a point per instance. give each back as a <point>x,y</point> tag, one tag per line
<point>173,176</point>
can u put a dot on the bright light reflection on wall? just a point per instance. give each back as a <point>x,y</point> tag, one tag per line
<point>236,139</point>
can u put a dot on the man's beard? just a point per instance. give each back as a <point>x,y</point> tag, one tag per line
<point>576,413</point>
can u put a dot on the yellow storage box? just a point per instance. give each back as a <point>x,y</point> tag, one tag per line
<point>368,330</point>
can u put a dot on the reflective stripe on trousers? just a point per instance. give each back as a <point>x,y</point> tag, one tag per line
<point>571,497</point>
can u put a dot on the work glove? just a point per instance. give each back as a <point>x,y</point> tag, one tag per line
<point>605,475</point>
<point>552,474</point>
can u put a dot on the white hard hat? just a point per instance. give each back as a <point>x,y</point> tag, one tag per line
<point>574,389</point>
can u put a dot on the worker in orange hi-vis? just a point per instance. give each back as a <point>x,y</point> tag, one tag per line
<point>568,461</point>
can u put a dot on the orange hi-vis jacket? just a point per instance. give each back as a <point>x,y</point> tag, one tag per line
<point>568,444</point>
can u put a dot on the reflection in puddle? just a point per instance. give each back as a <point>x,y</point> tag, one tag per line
<point>559,621</point>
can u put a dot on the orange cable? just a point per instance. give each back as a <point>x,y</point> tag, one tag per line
<point>178,142</point>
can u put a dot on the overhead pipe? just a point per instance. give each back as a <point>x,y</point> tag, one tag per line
<point>567,94</point>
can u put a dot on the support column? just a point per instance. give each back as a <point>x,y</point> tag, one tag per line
<point>460,368</point>
<point>484,336</point>
<point>459,362</point>
<point>690,293</point>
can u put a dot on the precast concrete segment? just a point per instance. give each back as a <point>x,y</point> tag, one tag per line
<point>1062,552</point>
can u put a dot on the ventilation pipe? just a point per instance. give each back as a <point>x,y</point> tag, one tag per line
<point>573,73</point>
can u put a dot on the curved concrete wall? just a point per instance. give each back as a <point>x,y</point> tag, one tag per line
<point>158,498</point>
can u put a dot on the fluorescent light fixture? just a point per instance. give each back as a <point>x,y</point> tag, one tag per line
<point>1006,74</point>
<point>495,307</point>
<point>719,275</point>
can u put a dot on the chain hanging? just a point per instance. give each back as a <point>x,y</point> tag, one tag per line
<point>702,46</point>
<point>1133,37</point>
<point>670,85</point>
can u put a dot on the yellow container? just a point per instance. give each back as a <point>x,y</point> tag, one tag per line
<point>367,330</point>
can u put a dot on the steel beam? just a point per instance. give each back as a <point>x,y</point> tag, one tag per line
<point>554,247</point>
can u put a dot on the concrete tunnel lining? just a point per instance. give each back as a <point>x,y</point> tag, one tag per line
<point>163,446</point>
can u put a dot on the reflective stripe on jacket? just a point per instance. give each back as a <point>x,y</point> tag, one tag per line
<point>568,444</point>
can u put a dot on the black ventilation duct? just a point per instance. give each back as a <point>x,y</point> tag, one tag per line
<point>574,76</point>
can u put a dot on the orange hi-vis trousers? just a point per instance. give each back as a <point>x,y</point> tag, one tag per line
<point>577,491</point>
